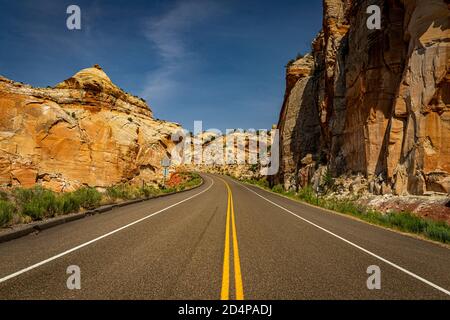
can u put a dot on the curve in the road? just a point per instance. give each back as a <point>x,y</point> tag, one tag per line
<point>36,265</point>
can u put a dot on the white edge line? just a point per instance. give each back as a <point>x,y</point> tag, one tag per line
<point>435,286</point>
<point>34,266</point>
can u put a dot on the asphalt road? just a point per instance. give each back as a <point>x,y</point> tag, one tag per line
<point>222,240</point>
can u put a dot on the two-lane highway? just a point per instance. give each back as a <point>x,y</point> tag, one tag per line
<point>224,240</point>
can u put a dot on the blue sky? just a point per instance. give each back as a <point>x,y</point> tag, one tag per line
<point>219,61</point>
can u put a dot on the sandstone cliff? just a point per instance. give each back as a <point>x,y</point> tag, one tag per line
<point>84,131</point>
<point>372,102</point>
<point>238,153</point>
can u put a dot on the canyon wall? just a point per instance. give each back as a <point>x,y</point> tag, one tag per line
<point>85,131</point>
<point>235,153</point>
<point>372,103</point>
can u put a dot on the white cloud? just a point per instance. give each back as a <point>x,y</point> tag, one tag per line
<point>169,35</point>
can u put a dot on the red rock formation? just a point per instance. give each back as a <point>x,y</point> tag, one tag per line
<point>380,97</point>
<point>85,131</point>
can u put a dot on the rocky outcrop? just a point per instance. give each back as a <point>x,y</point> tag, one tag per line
<point>374,103</point>
<point>299,123</point>
<point>84,131</point>
<point>239,153</point>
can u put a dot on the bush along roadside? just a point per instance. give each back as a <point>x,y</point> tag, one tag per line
<point>402,221</point>
<point>22,205</point>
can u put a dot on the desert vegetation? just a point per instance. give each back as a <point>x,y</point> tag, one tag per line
<point>21,205</point>
<point>402,221</point>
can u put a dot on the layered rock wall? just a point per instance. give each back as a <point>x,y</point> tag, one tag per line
<point>83,132</point>
<point>372,102</point>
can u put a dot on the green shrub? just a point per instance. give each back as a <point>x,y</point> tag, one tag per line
<point>149,191</point>
<point>37,202</point>
<point>114,192</point>
<point>438,232</point>
<point>406,221</point>
<point>23,195</point>
<point>87,197</point>
<point>168,190</point>
<point>3,195</point>
<point>69,202</point>
<point>6,212</point>
<point>263,183</point>
<point>34,210</point>
<point>125,192</point>
<point>194,180</point>
<point>307,194</point>
<point>278,188</point>
<point>347,207</point>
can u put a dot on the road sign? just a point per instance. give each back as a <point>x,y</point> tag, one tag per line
<point>165,162</point>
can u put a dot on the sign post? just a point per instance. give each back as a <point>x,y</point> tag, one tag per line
<point>165,163</point>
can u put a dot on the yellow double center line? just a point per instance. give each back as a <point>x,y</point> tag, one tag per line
<point>225,293</point>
